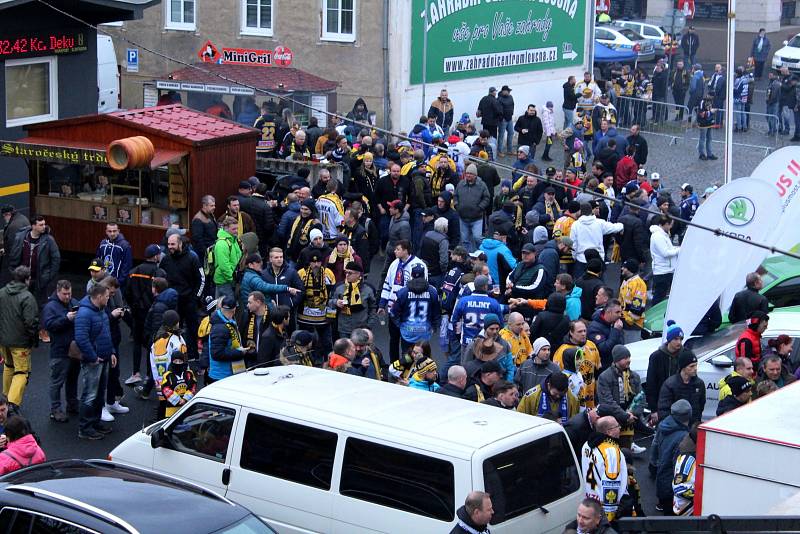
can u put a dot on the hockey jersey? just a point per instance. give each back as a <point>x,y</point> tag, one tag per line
<point>605,471</point>
<point>472,310</point>
<point>331,214</point>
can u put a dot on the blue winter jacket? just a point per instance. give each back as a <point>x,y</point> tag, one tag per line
<point>689,206</point>
<point>252,281</point>
<point>288,217</point>
<point>519,165</point>
<point>92,332</point>
<point>697,85</point>
<point>221,351</point>
<point>574,304</point>
<point>167,300</point>
<point>494,249</point>
<point>665,449</point>
<point>550,260</point>
<point>423,385</point>
<point>61,329</point>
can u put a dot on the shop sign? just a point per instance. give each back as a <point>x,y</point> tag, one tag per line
<point>253,57</point>
<point>602,6</point>
<point>55,154</point>
<point>42,43</point>
<point>473,39</point>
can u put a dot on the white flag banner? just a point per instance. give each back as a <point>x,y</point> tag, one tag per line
<point>782,169</point>
<point>708,263</point>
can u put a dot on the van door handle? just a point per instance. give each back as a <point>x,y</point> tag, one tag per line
<point>226,476</point>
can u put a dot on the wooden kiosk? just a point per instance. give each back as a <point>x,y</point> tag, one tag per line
<point>79,189</point>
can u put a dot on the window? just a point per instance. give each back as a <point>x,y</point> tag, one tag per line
<point>650,32</point>
<point>204,430</point>
<point>293,452</point>
<point>180,15</point>
<point>532,475</point>
<point>786,293</point>
<point>16,521</point>
<point>257,17</point>
<point>398,479</point>
<point>31,91</point>
<point>604,35</point>
<point>338,20</point>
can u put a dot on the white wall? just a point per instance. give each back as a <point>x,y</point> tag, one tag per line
<point>406,100</point>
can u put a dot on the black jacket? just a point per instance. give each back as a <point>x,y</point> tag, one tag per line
<point>552,323</point>
<point>269,350</point>
<point>386,190</point>
<point>183,273</point>
<point>675,389</point>
<point>18,222</point>
<point>661,366</point>
<point>635,238</point>
<point>746,302</point>
<point>578,430</point>
<point>139,289</point>
<point>535,131</point>
<point>360,243</point>
<point>168,300</point>
<point>589,285</point>
<point>204,234</point>
<point>570,98</point>
<point>48,256</point>
<point>462,515</point>
<point>491,111</point>
<point>289,277</point>
<point>507,104</point>
<point>640,156</point>
<point>609,157</point>
<point>452,391</point>
<point>261,213</point>
<point>660,81</point>
<point>728,404</point>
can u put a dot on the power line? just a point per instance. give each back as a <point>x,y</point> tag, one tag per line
<point>496,164</point>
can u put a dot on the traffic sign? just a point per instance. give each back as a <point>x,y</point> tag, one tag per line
<point>133,60</point>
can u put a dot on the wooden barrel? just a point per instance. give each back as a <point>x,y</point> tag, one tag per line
<point>130,153</point>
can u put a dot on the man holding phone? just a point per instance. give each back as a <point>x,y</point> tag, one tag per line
<point>58,318</point>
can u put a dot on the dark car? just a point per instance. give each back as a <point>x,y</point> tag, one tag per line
<point>96,496</point>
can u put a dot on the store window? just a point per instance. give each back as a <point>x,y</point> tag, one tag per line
<point>339,20</point>
<point>181,15</point>
<point>31,91</point>
<point>257,17</point>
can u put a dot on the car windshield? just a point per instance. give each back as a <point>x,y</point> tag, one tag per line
<point>630,34</point>
<point>795,42</point>
<point>702,344</point>
<point>249,525</point>
<point>768,278</point>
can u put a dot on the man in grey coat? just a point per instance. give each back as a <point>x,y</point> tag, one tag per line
<point>355,302</point>
<point>471,198</point>
<point>621,388</point>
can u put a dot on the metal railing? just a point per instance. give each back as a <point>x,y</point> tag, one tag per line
<point>654,117</point>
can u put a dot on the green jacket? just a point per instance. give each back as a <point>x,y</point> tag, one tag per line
<point>226,257</point>
<point>19,316</point>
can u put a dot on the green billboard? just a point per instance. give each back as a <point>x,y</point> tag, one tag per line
<point>474,38</point>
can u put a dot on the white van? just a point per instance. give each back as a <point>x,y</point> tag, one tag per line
<point>107,75</point>
<point>311,450</point>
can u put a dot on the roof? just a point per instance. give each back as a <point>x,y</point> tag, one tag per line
<point>352,403</point>
<point>125,492</point>
<point>135,7</point>
<point>770,418</point>
<point>182,122</point>
<point>281,79</point>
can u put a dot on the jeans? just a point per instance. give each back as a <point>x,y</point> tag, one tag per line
<point>225,290</point>
<point>93,391</point>
<point>772,118</point>
<point>796,114</point>
<point>138,339</point>
<point>383,228</point>
<point>704,142</point>
<point>453,355</point>
<point>679,97</point>
<point>578,270</point>
<point>507,128</point>
<point>739,119</point>
<point>416,230</point>
<point>17,369</point>
<point>394,342</point>
<point>187,310</point>
<point>64,373</point>
<point>569,117</point>
<point>785,113</point>
<point>471,234</point>
<point>661,285</point>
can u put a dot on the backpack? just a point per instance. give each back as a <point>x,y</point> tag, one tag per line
<point>209,264</point>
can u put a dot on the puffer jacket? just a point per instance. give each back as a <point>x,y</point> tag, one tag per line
<point>61,329</point>
<point>398,229</point>
<point>499,259</point>
<point>21,453</point>
<point>168,300</point>
<point>665,450</point>
<point>252,281</point>
<point>19,316</point>
<point>604,336</point>
<point>221,349</point>
<point>93,332</point>
<point>551,323</point>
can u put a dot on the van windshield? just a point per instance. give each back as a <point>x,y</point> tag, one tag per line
<point>529,476</point>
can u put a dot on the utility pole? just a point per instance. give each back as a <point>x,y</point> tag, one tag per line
<point>731,70</point>
<point>424,56</point>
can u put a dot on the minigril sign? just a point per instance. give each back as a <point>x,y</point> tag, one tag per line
<point>254,57</point>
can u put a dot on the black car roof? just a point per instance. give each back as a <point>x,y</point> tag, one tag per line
<point>144,500</point>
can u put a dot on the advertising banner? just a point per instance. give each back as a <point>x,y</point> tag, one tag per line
<point>748,208</point>
<point>475,38</point>
<point>782,170</point>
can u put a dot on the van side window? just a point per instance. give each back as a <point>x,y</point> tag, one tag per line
<point>532,475</point>
<point>398,479</point>
<point>289,451</point>
<point>205,430</point>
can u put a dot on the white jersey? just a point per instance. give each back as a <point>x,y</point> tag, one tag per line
<point>575,383</point>
<point>160,355</point>
<point>606,474</point>
<point>329,216</point>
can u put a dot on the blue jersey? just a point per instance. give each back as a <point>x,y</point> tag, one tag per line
<point>472,310</point>
<point>416,314</point>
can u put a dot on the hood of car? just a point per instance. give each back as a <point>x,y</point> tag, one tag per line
<point>788,52</point>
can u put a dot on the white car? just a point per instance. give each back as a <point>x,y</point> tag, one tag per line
<point>651,32</point>
<point>618,38</point>
<point>788,56</point>
<point>715,352</point>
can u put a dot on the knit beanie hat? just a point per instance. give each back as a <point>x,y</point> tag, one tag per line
<point>681,411</point>
<point>632,265</point>
<point>685,359</point>
<point>673,330</point>
<point>491,319</point>
<point>314,234</point>
<point>506,183</point>
<point>620,352</point>
<point>471,168</point>
<point>309,203</point>
<point>532,218</point>
<point>539,344</point>
<point>738,385</point>
<point>447,196</point>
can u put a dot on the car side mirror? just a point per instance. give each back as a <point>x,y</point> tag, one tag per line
<point>158,438</point>
<point>770,306</point>
<point>785,43</point>
<point>721,361</point>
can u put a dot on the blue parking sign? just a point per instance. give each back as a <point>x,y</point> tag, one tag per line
<point>133,60</point>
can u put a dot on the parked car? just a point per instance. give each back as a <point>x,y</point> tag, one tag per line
<point>781,287</point>
<point>311,450</point>
<point>788,56</point>
<point>715,352</point>
<point>618,38</point>
<point>651,32</point>
<point>102,497</point>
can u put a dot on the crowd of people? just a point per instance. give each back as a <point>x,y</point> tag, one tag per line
<point>418,235</point>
